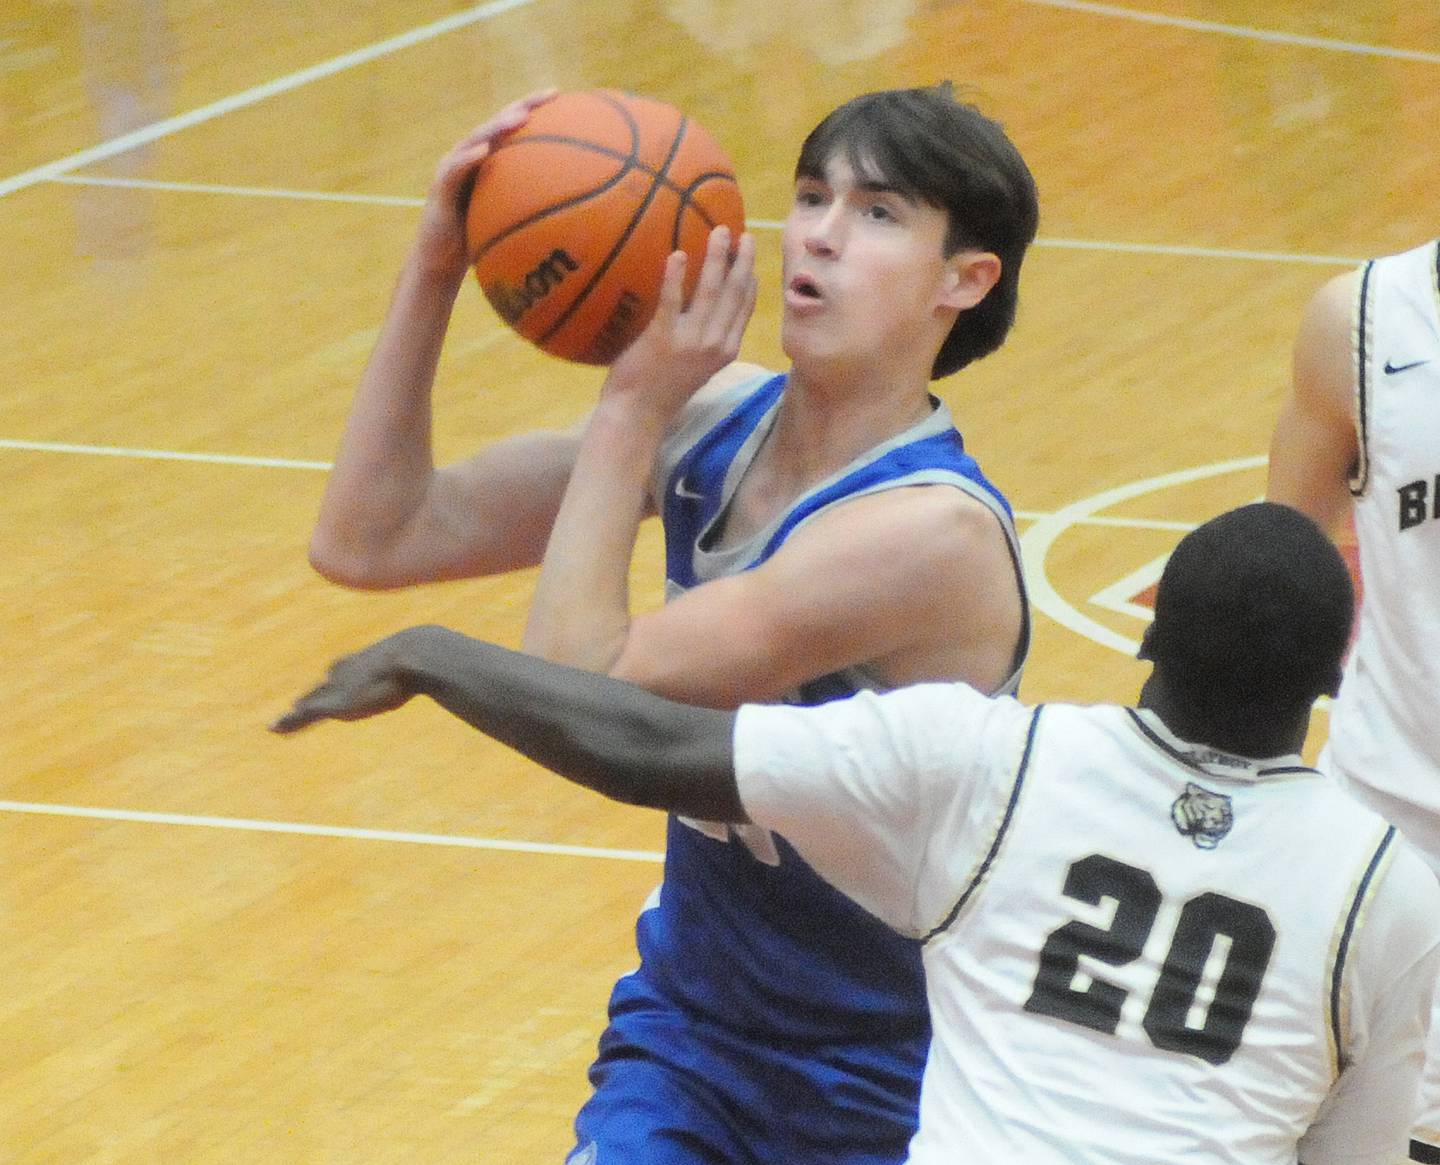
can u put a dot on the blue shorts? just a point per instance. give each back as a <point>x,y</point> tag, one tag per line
<point>674,1089</point>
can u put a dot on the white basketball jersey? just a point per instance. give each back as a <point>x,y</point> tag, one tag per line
<point>1384,736</point>
<point>1137,950</point>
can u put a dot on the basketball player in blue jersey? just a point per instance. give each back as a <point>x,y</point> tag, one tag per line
<point>1151,934</point>
<point>826,531</point>
<point>1360,434</point>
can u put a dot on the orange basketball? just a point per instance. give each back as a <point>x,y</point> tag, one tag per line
<point>573,214</point>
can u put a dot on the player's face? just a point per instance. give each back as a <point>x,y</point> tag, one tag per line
<point>864,272</point>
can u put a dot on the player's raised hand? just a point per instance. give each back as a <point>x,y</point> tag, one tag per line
<point>685,344</point>
<point>368,683</point>
<point>442,224</point>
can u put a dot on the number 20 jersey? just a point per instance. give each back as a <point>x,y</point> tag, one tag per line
<point>1136,950</point>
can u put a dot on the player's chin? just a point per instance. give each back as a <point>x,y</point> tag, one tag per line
<point>805,336</point>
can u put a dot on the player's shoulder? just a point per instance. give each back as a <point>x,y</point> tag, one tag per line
<point>929,520</point>
<point>1331,307</point>
<point>1400,922</point>
<point>1412,881</point>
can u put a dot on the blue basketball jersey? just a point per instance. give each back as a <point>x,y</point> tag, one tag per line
<point>743,933</point>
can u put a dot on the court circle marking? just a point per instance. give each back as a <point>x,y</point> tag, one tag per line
<point>1035,545</point>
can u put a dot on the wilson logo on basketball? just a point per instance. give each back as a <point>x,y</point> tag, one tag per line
<point>513,302</point>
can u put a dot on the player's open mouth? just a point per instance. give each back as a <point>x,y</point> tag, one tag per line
<point>802,292</point>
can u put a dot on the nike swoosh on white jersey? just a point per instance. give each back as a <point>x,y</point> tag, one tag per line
<point>1391,368</point>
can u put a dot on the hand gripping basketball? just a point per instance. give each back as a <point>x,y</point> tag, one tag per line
<point>686,343</point>
<point>573,214</point>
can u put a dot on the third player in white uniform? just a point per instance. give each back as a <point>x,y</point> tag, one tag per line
<point>1362,433</point>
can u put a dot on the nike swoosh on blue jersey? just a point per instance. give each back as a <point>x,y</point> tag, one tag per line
<point>1391,369</point>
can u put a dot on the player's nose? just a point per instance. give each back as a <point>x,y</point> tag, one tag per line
<point>823,233</point>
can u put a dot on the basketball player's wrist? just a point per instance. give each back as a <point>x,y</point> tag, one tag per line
<point>627,426</point>
<point>438,260</point>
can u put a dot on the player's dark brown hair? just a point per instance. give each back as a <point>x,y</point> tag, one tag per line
<point>1252,617</point>
<point>934,149</point>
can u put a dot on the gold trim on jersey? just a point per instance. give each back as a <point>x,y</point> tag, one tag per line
<point>1337,1005</point>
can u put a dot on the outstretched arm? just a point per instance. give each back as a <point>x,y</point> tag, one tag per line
<point>603,733</point>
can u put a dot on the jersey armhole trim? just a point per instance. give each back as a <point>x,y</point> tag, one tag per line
<point>1000,833</point>
<point>1352,920</point>
<point>1363,331</point>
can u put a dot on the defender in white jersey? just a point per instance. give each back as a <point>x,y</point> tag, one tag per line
<point>825,530</point>
<point>1151,934</point>
<point>1361,434</point>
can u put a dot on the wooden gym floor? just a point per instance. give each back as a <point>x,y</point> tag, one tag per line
<point>393,942</point>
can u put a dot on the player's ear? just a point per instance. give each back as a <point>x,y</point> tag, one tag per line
<point>969,276</point>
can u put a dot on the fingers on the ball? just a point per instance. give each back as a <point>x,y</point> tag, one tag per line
<point>538,97</point>
<point>672,286</point>
<point>740,278</point>
<point>716,267</point>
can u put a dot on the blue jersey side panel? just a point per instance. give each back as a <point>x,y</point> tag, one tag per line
<point>769,948</point>
<point>701,473</point>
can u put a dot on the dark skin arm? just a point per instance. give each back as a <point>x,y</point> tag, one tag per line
<point>608,735</point>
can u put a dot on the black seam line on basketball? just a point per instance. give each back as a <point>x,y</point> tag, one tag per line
<point>1000,833</point>
<point>631,161</point>
<point>625,237</point>
<point>1361,893</point>
<point>609,152</point>
<point>687,202</point>
<point>554,208</point>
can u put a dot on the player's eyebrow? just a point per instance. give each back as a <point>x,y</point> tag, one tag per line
<point>879,186</point>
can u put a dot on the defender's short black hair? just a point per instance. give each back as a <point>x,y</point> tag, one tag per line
<point>936,150</point>
<point>1253,615</point>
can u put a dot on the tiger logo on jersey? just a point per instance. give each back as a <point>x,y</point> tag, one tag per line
<point>1202,816</point>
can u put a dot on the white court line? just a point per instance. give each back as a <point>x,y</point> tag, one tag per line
<point>1119,523</point>
<point>1244,31</point>
<point>160,454</point>
<point>1035,544</point>
<point>290,463</point>
<point>1198,252</point>
<point>340,831</point>
<point>242,191</point>
<point>172,125</point>
<point>754,224</point>
<point>1118,595</point>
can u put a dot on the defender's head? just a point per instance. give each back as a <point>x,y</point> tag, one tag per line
<point>1252,617</point>
<point>936,150</point>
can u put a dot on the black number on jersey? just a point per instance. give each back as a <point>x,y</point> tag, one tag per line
<point>1204,920</point>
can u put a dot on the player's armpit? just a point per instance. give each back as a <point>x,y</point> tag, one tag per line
<point>917,582</point>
